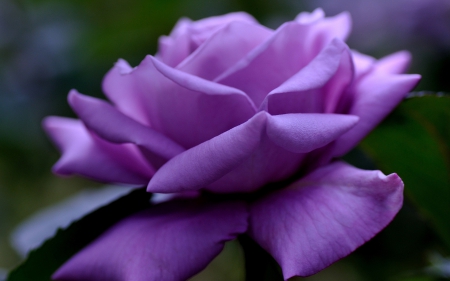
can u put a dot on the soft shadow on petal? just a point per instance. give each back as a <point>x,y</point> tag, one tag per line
<point>113,126</point>
<point>224,49</point>
<point>292,46</point>
<point>288,140</point>
<point>170,241</point>
<point>88,155</point>
<point>374,97</point>
<point>266,164</point>
<point>316,88</point>
<point>264,149</point>
<point>324,216</point>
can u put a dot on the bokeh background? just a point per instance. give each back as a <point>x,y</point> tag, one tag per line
<point>48,47</point>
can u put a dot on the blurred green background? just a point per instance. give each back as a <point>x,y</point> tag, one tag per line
<point>48,47</point>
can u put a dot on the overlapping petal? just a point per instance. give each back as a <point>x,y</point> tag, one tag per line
<point>186,108</point>
<point>290,48</point>
<point>125,92</point>
<point>213,57</point>
<point>116,127</point>
<point>374,97</point>
<point>318,87</point>
<point>242,147</point>
<point>169,241</point>
<point>88,155</point>
<point>324,216</point>
<point>187,35</point>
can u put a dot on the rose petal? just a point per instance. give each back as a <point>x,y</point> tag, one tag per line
<point>170,241</point>
<point>244,158</point>
<point>201,165</point>
<point>324,216</point>
<point>316,88</point>
<point>205,28</point>
<point>188,35</point>
<point>363,63</point>
<point>302,133</point>
<point>268,163</point>
<point>115,127</point>
<point>289,139</point>
<point>395,63</point>
<point>89,156</point>
<point>223,49</point>
<point>291,47</point>
<point>174,48</point>
<point>186,108</point>
<point>308,18</point>
<point>375,96</point>
<point>122,90</point>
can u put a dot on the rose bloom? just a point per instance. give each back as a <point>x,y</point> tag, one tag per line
<point>228,106</point>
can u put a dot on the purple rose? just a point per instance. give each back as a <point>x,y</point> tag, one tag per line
<point>230,106</point>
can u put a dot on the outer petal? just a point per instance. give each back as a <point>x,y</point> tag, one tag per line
<point>244,155</point>
<point>325,216</point>
<point>292,46</point>
<point>186,108</point>
<point>395,63</point>
<point>170,241</point>
<point>174,48</point>
<point>88,155</point>
<point>375,96</point>
<point>125,93</point>
<point>363,63</point>
<point>318,87</point>
<point>223,49</point>
<point>115,127</point>
<point>306,18</point>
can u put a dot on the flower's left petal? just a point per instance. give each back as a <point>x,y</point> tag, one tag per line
<point>88,155</point>
<point>170,241</point>
<point>113,126</point>
<point>324,216</point>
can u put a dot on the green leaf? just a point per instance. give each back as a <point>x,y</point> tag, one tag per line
<point>414,142</point>
<point>43,261</point>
